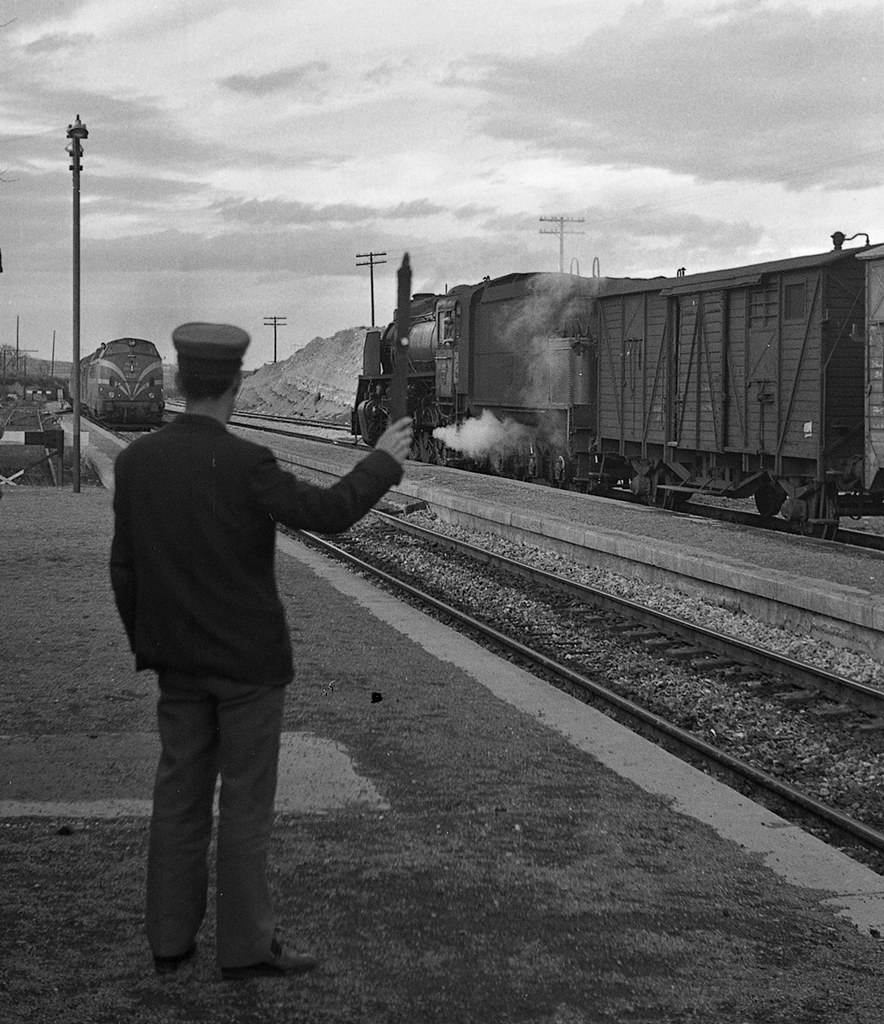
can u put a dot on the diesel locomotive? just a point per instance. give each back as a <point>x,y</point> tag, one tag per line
<point>761,381</point>
<point>121,383</point>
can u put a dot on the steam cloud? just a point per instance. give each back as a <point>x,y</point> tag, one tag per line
<point>487,435</point>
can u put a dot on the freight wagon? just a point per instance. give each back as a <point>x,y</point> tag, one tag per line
<point>737,383</point>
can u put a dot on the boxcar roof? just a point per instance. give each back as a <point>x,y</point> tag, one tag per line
<point>733,277</point>
<point>876,252</point>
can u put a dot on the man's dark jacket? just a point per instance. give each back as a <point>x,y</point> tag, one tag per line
<point>192,556</point>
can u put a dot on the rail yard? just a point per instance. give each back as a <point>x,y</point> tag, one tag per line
<point>497,819</point>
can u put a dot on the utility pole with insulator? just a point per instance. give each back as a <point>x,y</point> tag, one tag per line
<point>274,322</point>
<point>561,232</point>
<point>371,261</point>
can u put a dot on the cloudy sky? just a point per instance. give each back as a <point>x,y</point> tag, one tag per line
<point>241,156</point>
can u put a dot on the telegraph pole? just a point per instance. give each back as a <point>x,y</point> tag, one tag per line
<point>371,259</point>
<point>24,376</point>
<point>19,355</point>
<point>561,232</point>
<point>274,322</point>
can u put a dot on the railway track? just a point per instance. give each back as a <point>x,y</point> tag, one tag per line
<point>22,417</point>
<point>681,639</point>
<point>565,650</point>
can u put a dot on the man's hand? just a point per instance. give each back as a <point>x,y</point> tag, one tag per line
<point>396,439</point>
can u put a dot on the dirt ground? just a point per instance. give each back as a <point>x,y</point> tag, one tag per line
<point>512,879</point>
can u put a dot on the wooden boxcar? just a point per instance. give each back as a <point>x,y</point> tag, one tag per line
<point>874,396</point>
<point>740,382</point>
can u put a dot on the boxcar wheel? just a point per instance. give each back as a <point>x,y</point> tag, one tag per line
<point>769,498</point>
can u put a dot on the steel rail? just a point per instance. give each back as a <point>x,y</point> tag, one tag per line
<point>294,420</point>
<point>303,421</point>
<point>672,733</point>
<point>337,442</point>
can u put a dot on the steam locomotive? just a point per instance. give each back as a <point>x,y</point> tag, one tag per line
<point>758,381</point>
<point>121,383</point>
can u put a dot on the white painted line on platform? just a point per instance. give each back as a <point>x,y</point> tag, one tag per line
<point>111,776</point>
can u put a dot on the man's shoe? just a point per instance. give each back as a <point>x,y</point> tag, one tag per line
<point>170,964</point>
<point>278,965</point>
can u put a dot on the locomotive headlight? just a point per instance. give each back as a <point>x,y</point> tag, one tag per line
<point>111,394</point>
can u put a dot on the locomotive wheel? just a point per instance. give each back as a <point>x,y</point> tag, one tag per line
<point>426,446</point>
<point>441,452</point>
<point>372,433</point>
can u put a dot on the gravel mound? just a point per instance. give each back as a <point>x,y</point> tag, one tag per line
<point>319,380</point>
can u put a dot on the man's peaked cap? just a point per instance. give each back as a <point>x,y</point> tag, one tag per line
<point>210,351</point>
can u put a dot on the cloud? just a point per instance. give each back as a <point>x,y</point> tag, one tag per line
<point>381,74</point>
<point>753,93</point>
<point>56,42</point>
<point>280,212</point>
<point>306,81</point>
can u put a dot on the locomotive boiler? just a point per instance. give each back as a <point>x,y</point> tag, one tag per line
<point>758,382</point>
<point>121,383</point>
<point>498,377</point>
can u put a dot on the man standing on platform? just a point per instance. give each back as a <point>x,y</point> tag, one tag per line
<point>192,572</point>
